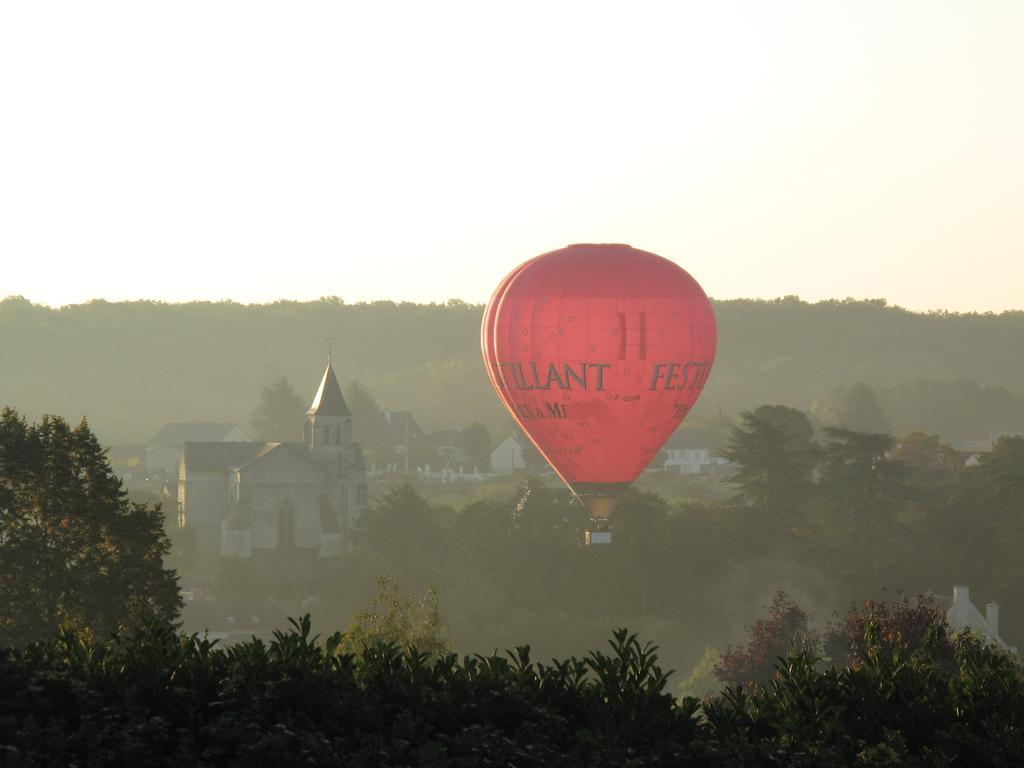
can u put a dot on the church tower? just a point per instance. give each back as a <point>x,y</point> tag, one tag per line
<point>328,430</point>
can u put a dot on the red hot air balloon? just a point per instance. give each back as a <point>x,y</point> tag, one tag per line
<point>599,352</point>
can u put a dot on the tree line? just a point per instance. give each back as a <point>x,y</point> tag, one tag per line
<point>133,366</point>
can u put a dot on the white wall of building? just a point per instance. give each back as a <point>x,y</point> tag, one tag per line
<point>507,456</point>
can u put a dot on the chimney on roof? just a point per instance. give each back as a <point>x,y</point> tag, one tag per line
<point>961,594</point>
<point>992,617</point>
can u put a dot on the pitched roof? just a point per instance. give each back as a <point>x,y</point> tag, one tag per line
<point>328,400</point>
<point>297,449</point>
<point>403,424</point>
<point>249,458</point>
<point>207,455</point>
<point>180,432</point>
<point>520,441</point>
<point>963,614</point>
<point>449,437</point>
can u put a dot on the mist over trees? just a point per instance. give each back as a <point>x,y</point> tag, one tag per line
<point>133,366</point>
<point>279,415</point>
<point>837,418</point>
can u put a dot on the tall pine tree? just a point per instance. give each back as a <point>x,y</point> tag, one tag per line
<point>280,415</point>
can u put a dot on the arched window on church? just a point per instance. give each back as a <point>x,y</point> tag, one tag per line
<point>327,435</point>
<point>337,435</point>
<point>286,527</point>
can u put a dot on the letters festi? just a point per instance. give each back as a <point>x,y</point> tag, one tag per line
<point>587,375</point>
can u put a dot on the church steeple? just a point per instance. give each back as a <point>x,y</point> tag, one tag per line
<point>328,400</point>
<point>328,421</point>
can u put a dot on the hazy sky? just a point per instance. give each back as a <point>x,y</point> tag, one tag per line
<point>254,150</point>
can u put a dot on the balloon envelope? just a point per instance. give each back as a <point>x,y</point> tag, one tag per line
<point>599,352</point>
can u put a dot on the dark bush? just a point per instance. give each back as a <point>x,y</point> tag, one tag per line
<point>158,698</point>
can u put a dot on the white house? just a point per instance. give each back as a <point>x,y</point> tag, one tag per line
<point>507,456</point>
<point>962,614</point>
<point>690,452</point>
<point>688,461</point>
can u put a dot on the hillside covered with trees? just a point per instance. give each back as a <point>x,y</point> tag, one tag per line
<point>130,367</point>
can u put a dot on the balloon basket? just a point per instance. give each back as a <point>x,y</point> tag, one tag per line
<point>597,533</point>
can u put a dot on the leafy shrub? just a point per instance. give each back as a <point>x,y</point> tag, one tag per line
<point>158,698</point>
<point>403,622</point>
<point>917,626</point>
<point>772,638</point>
<point>155,698</point>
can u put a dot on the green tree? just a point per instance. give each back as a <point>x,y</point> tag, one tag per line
<point>775,456</point>
<point>405,622</point>
<point>362,404</point>
<point>72,546</point>
<point>476,442</point>
<point>280,414</point>
<point>858,473</point>
<point>1004,465</point>
<point>702,681</point>
<point>369,427</point>
<point>994,493</point>
<point>237,579</point>
<point>854,407</point>
<point>401,527</point>
<point>927,454</point>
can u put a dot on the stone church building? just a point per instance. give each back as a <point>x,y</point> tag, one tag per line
<point>287,508</point>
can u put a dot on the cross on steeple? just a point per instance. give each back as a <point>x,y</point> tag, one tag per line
<point>329,338</point>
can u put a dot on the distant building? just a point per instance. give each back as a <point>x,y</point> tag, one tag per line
<point>686,454</point>
<point>404,432</point>
<point>962,614</point>
<point>163,452</point>
<point>507,456</point>
<point>289,508</point>
<point>687,461</point>
<point>448,445</point>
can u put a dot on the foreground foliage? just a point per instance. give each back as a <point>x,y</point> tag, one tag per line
<point>159,698</point>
